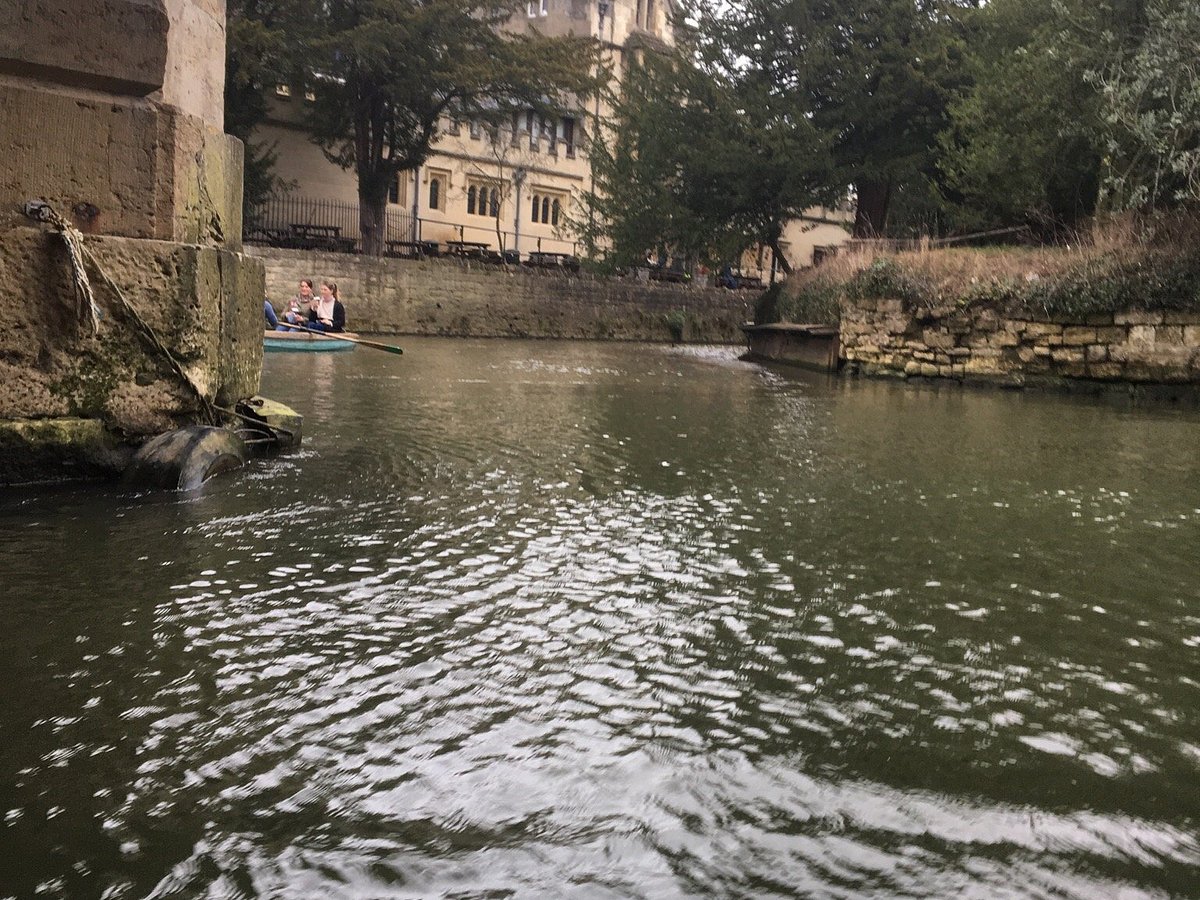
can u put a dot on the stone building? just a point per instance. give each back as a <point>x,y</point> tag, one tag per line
<point>533,171</point>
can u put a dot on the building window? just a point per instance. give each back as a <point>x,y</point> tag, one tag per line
<point>283,91</point>
<point>455,127</point>
<point>545,7</point>
<point>483,200</point>
<point>568,135</point>
<point>475,129</point>
<point>396,190</point>
<point>639,16</point>
<point>531,8</point>
<point>547,210</point>
<point>435,193</point>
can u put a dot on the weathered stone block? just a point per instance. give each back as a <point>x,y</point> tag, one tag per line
<point>1181,318</point>
<point>119,46</point>
<point>1137,317</point>
<point>1097,352</point>
<point>1040,329</point>
<point>1077,336</point>
<point>1067,354</point>
<point>204,304</point>
<point>1112,334</point>
<point>119,166</point>
<point>1105,370</point>
<point>1141,335</point>
<point>194,81</point>
<point>1004,339</point>
<point>1099,319</point>
<point>1168,334</point>
<point>937,337</point>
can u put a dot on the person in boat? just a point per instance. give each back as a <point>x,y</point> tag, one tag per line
<point>327,312</point>
<point>269,313</point>
<point>298,306</point>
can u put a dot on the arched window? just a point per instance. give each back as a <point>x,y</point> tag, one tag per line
<point>471,200</point>
<point>554,212</point>
<point>537,204</point>
<point>495,210</point>
<point>435,193</point>
<point>545,209</point>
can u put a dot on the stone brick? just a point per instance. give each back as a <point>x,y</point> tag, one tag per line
<point>1191,335</point>
<point>1067,354</point>
<point>929,370</point>
<point>1097,352</point>
<point>1004,339</point>
<point>1141,335</point>
<point>205,305</point>
<point>937,337</point>
<point>1112,334</point>
<point>1137,317</point>
<point>1040,329</point>
<point>1181,318</point>
<point>1168,334</point>
<point>144,170</point>
<point>119,46</point>
<point>1105,370</point>
<point>1100,319</point>
<point>1077,336</point>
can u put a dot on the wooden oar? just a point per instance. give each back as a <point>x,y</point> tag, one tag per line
<point>341,337</point>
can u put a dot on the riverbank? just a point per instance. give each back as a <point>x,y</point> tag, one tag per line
<point>1117,313</point>
<point>453,298</point>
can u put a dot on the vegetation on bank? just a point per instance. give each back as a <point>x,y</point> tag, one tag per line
<point>1117,268</point>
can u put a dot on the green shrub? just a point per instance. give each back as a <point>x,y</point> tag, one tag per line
<point>675,321</point>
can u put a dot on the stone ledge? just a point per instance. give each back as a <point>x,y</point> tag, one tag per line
<point>59,449</point>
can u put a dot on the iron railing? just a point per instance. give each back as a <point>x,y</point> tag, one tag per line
<point>305,223</point>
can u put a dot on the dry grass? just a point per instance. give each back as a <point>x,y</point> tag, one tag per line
<point>1119,263</point>
<point>949,271</point>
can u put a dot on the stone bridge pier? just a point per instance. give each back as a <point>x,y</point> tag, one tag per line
<point>111,113</point>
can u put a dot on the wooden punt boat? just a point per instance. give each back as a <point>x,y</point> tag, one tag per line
<point>290,341</point>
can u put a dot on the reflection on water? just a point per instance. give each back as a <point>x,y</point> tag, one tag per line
<point>550,620</point>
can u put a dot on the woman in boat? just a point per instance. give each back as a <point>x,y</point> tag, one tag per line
<point>298,306</point>
<point>327,312</point>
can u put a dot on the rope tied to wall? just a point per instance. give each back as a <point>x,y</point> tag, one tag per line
<point>85,300</point>
<point>80,257</point>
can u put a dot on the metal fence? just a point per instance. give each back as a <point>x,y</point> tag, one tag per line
<point>304,223</point>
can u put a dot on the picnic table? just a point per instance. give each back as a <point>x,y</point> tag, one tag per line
<point>552,260</point>
<point>307,236</point>
<point>674,276</point>
<point>467,249</point>
<point>412,249</point>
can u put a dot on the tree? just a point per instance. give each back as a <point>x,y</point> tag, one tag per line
<point>874,76</point>
<point>386,72</point>
<point>1149,101</point>
<point>700,160</point>
<point>260,50</point>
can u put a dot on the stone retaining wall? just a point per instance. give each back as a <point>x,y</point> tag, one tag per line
<point>1135,347</point>
<point>466,299</point>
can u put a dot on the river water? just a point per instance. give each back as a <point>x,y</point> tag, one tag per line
<point>597,620</point>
